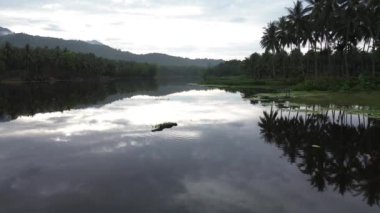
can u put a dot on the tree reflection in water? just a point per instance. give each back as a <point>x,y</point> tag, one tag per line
<point>30,99</point>
<point>329,147</point>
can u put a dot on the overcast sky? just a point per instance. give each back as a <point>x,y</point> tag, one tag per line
<point>224,29</point>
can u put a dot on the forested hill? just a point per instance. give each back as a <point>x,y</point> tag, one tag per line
<point>21,40</point>
<point>44,64</point>
<point>5,31</point>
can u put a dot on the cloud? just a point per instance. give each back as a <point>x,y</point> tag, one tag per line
<point>143,26</point>
<point>53,27</point>
<point>239,20</point>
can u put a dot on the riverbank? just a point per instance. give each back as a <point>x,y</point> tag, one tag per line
<point>353,102</point>
<point>354,95</point>
<point>242,82</point>
<point>361,83</point>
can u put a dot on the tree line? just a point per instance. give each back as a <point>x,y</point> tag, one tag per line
<point>338,38</point>
<point>41,64</point>
<point>228,68</point>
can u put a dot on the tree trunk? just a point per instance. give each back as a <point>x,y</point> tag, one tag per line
<point>329,65</point>
<point>299,43</point>
<point>373,59</point>
<point>315,61</point>
<point>345,64</point>
<point>345,57</point>
<point>273,70</point>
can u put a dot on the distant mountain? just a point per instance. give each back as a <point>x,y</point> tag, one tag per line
<point>95,42</point>
<point>5,31</point>
<point>101,50</point>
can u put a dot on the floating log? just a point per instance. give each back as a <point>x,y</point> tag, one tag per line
<point>163,126</point>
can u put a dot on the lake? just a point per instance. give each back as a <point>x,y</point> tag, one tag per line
<point>89,147</point>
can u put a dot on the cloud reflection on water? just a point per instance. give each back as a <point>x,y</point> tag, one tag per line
<point>106,159</point>
<point>137,113</point>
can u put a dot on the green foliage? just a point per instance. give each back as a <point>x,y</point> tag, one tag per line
<point>2,67</point>
<point>366,83</point>
<point>104,51</point>
<point>341,39</point>
<point>309,65</point>
<point>180,71</point>
<point>319,84</point>
<point>2,63</point>
<point>41,64</point>
<point>362,83</point>
<point>229,68</point>
<point>234,81</point>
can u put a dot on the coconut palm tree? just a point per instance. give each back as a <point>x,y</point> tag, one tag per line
<point>348,28</point>
<point>343,38</point>
<point>370,15</point>
<point>270,42</point>
<point>283,33</point>
<point>298,21</point>
<point>314,29</point>
<point>285,40</point>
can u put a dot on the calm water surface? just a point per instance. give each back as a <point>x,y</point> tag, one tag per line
<point>85,147</point>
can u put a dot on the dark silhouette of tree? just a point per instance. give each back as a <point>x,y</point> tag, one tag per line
<point>270,42</point>
<point>298,22</point>
<point>331,150</point>
<point>339,38</point>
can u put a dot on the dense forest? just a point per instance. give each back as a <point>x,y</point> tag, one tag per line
<point>101,50</point>
<point>42,64</point>
<point>190,72</point>
<point>317,38</point>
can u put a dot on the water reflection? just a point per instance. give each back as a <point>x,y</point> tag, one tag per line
<point>29,99</point>
<point>103,157</point>
<point>331,148</point>
<point>134,115</point>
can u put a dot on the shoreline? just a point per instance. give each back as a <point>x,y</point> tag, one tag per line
<point>278,92</point>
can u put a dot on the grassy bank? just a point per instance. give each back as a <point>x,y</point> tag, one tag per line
<point>361,83</point>
<point>244,82</point>
<point>323,92</point>
<point>354,102</point>
<point>371,99</point>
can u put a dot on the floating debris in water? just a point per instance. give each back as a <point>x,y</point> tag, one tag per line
<point>163,126</point>
<point>316,146</point>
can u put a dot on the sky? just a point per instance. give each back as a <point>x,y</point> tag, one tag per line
<point>219,29</point>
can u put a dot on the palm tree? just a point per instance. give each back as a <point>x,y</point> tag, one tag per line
<point>298,21</point>
<point>283,33</point>
<point>370,15</point>
<point>332,30</point>
<point>314,30</point>
<point>270,42</point>
<point>326,18</point>
<point>325,14</point>
<point>348,28</point>
<point>284,38</point>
